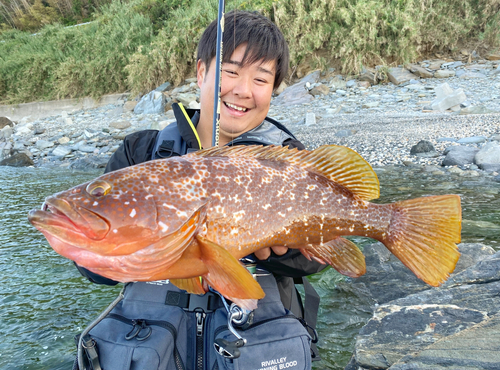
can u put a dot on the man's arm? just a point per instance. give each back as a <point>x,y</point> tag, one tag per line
<point>293,264</point>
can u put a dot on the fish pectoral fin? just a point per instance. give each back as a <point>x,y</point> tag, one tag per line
<point>342,254</point>
<point>192,285</point>
<point>226,274</point>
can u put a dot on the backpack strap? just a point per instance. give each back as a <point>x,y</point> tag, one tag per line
<point>310,310</point>
<point>179,137</point>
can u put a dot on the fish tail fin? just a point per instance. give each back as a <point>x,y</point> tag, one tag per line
<point>423,234</point>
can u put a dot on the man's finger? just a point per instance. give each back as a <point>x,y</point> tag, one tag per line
<point>280,250</point>
<point>263,254</point>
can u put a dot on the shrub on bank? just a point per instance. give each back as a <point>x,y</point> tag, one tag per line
<point>63,62</point>
<point>140,44</point>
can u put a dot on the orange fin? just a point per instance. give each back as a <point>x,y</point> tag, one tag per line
<point>342,254</point>
<point>192,285</point>
<point>423,234</point>
<point>226,274</point>
<point>337,163</point>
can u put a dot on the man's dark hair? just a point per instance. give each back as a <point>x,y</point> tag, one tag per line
<point>264,41</point>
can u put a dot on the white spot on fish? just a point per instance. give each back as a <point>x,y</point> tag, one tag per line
<point>95,204</point>
<point>289,209</point>
<point>149,196</point>
<point>238,215</point>
<point>135,200</point>
<point>306,195</point>
<point>311,187</point>
<point>266,206</point>
<point>133,213</point>
<point>281,214</point>
<point>164,227</point>
<point>351,228</point>
<point>219,209</point>
<point>127,203</point>
<point>181,213</point>
<point>115,231</point>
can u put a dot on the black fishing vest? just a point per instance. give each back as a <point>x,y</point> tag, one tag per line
<point>180,137</point>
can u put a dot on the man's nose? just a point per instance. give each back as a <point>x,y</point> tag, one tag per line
<point>243,88</point>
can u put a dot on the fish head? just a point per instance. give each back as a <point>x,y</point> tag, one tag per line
<point>112,215</point>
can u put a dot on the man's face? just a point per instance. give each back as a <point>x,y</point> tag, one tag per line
<point>245,94</point>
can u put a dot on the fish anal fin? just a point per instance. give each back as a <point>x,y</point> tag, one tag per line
<point>342,254</point>
<point>192,285</point>
<point>226,274</point>
<point>337,163</point>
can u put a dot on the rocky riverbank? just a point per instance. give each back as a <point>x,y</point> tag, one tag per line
<point>457,116</point>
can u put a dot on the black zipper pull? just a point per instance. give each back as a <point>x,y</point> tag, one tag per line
<point>137,327</point>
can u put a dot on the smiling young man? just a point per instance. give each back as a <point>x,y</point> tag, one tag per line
<point>255,61</point>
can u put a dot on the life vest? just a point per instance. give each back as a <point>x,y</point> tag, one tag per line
<point>180,137</point>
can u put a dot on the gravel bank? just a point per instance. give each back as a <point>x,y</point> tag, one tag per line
<point>381,122</point>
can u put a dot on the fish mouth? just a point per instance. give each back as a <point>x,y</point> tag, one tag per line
<point>60,217</point>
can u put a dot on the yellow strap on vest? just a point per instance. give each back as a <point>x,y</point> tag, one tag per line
<point>191,124</point>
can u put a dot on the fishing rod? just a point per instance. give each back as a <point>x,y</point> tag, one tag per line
<point>218,71</point>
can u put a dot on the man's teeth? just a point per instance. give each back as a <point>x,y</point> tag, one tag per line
<point>236,107</point>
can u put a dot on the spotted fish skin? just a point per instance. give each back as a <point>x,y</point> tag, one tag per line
<point>190,216</point>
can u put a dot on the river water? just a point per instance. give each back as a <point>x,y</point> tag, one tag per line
<point>44,301</point>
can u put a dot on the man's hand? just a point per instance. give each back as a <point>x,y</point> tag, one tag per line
<point>264,253</point>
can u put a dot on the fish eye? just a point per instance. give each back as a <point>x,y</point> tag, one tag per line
<point>98,188</point>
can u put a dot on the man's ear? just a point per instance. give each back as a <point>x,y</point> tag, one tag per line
<point>201,71</point>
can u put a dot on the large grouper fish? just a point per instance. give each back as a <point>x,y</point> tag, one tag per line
<point>196,215</point>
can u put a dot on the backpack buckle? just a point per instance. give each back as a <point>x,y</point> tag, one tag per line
<point>207,302</point>
<point>228,349</point>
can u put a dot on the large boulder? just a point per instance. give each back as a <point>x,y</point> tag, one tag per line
<point>476,348</point>
<point>423,148</point>
<point>460,156</point>
<point>446,97</point>
<point>151,103</point>
<point>4,121</point>
<point>17,160</point>
<point>298,93</point>
<point>488,157</point>
<point>399,76</point>
<point>420,71</point>
<point>90,162</point>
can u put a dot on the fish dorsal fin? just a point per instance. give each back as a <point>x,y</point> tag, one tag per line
<point>338,163</point>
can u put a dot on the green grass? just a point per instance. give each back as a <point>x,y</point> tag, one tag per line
<point>138,45</point>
